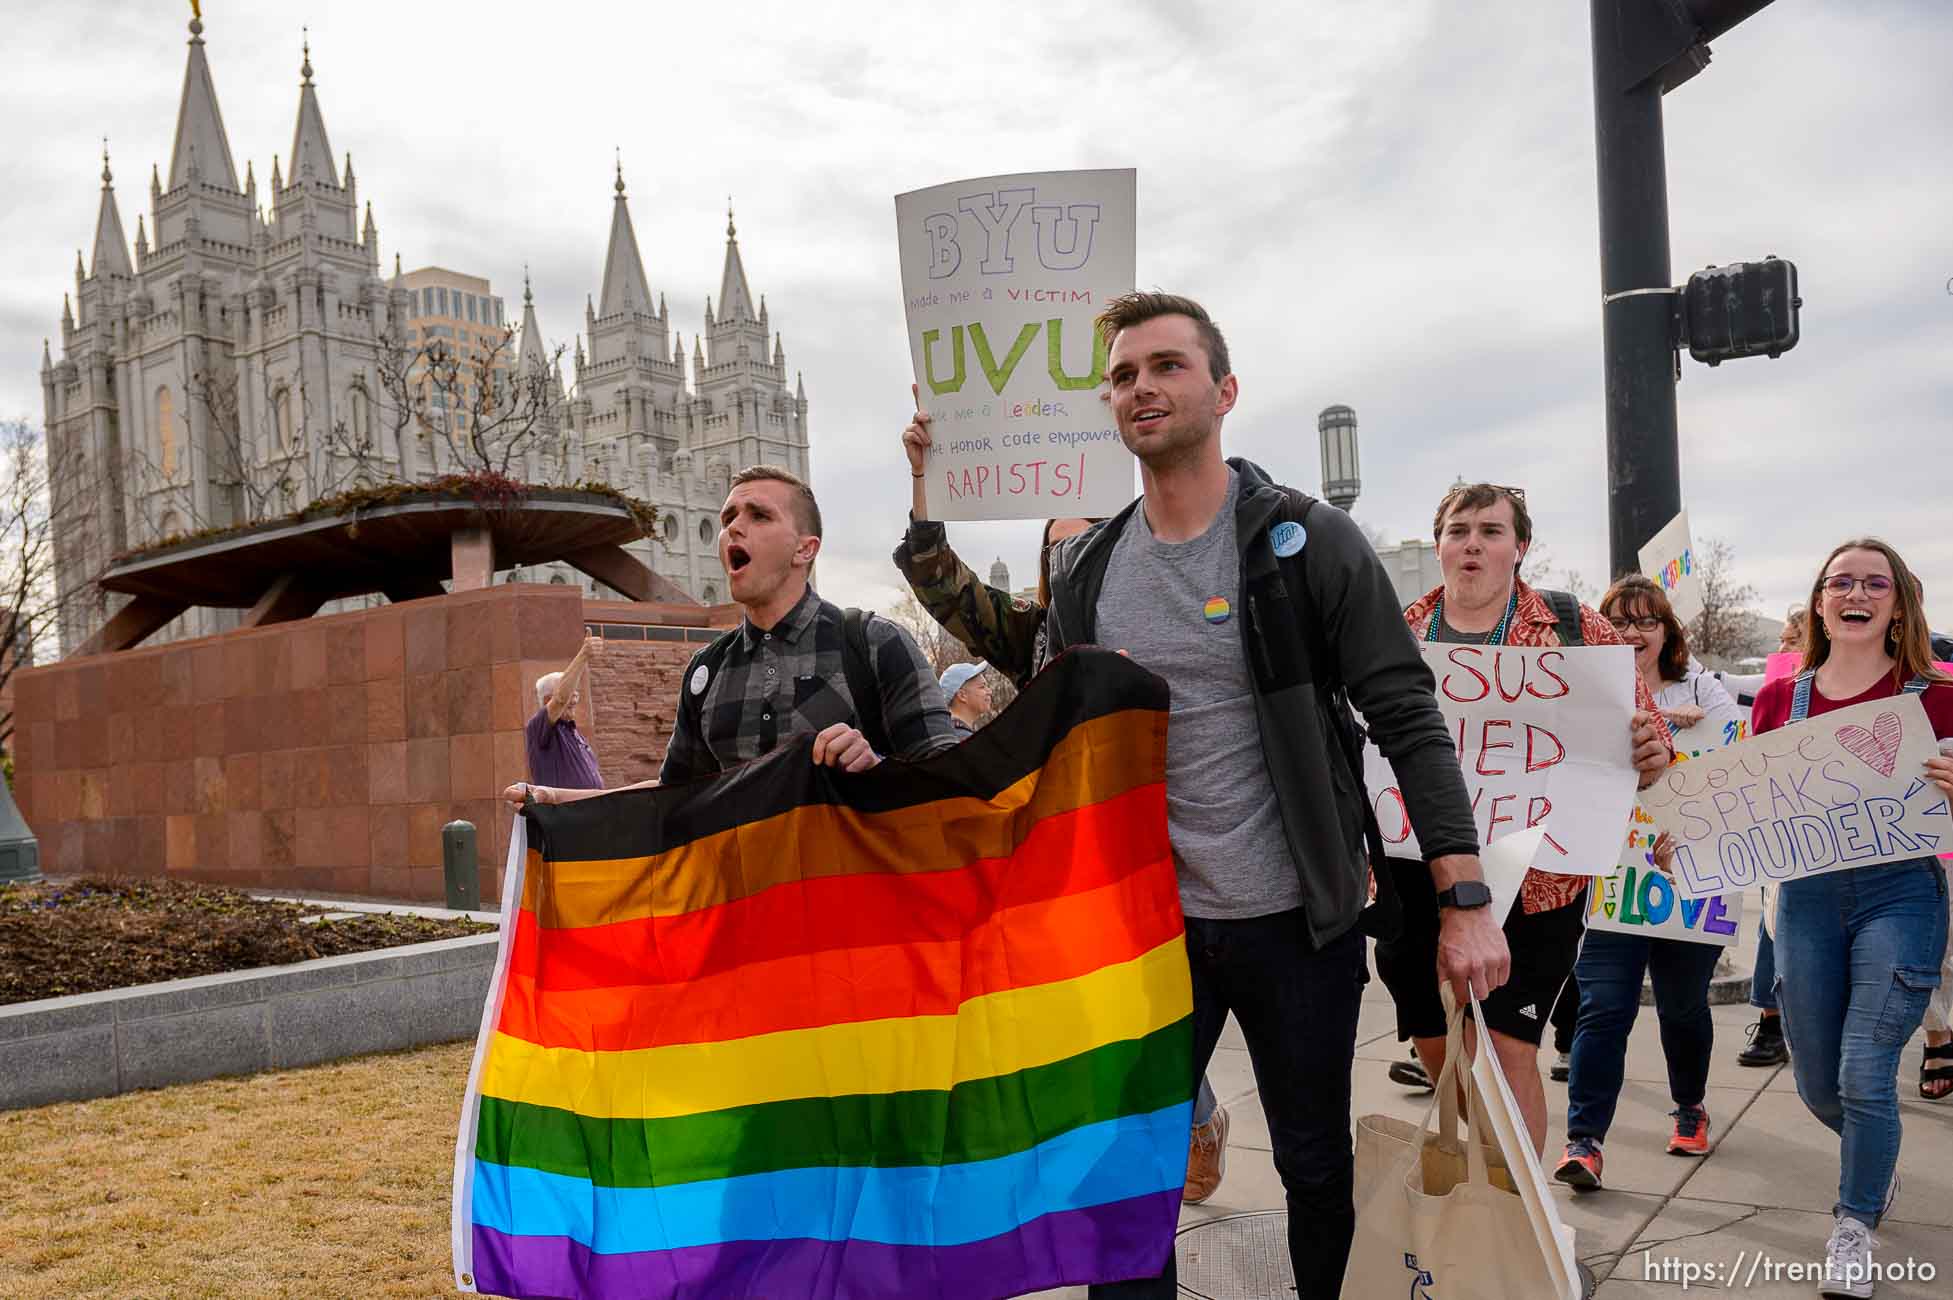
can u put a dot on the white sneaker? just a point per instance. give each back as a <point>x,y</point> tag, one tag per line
<point>1848,1261</point>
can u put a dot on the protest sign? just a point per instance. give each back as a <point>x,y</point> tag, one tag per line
<point>1504,865</point>
<point>1843,790</point>
<point>1639,900</point>
<point>1001,279</point>
<point>1669,559</point>
<point>1712,734</point>
<point>1542,737</point>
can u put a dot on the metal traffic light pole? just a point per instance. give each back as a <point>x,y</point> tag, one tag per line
<point>1642,49</point>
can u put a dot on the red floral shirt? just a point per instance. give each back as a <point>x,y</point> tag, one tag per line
<point>1535,625</point>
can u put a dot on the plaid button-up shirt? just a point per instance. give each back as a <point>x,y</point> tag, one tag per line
<point>777,683</point>
<point>1534,624</point>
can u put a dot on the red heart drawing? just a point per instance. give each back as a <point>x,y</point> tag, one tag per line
<point>1878,748</point>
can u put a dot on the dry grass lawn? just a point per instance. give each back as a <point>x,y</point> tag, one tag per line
<point>326,1182</point>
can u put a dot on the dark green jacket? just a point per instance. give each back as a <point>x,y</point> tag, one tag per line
<point>1003,630</point>
<point>1368,658</point>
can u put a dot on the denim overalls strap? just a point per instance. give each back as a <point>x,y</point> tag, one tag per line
<point>1800,693</point>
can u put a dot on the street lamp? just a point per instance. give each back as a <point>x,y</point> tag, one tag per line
<point>1342,477</point>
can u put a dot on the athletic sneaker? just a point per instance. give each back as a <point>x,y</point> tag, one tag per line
<point>1580,1166</point>
<point>1766,1045</point>
<point>1848,1261</point>
<point>1410,1074</point>
<point>1206,1158</point>
<point>1691,1135</point>
<point>1562,1068</point>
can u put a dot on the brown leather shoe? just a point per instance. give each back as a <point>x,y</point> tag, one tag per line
<point>1206,1158</point>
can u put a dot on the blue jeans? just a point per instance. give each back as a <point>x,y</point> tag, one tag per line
<point>1861,952</point>
<point>1763,980</point>
<point>1297,1007</point>
<point>1610,970</point>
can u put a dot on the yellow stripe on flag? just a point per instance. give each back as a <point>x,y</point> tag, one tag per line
<point>997,1034</point>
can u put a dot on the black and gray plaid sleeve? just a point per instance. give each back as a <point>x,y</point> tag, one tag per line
<point>685,757</point>
<point>913,710</point>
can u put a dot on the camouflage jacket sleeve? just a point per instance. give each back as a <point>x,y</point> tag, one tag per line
<point>1002,629</point>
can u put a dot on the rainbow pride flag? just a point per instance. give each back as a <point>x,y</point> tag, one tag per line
<point>791,1033</point>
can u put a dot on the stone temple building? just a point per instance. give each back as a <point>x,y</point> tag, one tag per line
<point>232,368</point>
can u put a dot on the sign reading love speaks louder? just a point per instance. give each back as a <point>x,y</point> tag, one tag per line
<point>1846,789</point>
<point>1640,900</point>
<point>1542,736</point>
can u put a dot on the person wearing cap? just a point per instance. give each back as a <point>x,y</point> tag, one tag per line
<point>968,695</point>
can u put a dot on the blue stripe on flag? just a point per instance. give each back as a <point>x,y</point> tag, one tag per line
<point>921,1205</point>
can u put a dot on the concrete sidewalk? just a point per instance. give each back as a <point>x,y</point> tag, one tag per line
<point>1763,1193</point>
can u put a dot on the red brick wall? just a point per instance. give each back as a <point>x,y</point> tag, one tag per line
<point>321,755</point>
<point>633,696</point>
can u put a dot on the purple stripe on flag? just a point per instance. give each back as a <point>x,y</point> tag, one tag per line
<point>1105,1243</point>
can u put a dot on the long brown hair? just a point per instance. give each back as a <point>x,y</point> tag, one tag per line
<point>1911,649</point>
<point>1044,558</point>
<point>1635,596</point>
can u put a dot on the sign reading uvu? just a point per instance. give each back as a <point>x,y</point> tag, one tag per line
<point>1542,736</point>
<point>1001,278</point>
<point>1846,789</point>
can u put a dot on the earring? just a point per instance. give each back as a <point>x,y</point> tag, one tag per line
<point>1892,632</point>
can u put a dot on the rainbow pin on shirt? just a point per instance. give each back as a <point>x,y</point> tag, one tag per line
<point>1216,609</point>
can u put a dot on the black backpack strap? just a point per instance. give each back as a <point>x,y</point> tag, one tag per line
<point>1383,918</point>
<point>864,684</point>
<point>691,703</point>
<point>1566,611</point>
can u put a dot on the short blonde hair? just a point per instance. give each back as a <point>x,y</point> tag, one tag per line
<point>544,685</point>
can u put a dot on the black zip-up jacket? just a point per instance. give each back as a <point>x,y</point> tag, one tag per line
<point>1368,659</point>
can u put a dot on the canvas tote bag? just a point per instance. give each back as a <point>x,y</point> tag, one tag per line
<point>1462,1220</point>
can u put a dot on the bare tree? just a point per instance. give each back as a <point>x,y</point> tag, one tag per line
<point>482,408</point>
<point>30,600</point>
<point>1541,569</point>
<point>932,638</point>
<point>256,484</point>
<point>941,650</point>
<point>1725,630</point>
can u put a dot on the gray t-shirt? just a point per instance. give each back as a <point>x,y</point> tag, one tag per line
<point>1176,609</point>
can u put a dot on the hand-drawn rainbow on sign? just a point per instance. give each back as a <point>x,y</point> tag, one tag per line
<point>921,1032</point>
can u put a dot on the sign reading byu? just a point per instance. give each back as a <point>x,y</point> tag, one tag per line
<point>1001,278</point>
<point>1842,790</point>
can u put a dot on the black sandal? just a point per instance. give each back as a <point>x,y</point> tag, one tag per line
<point>1940,1074</point>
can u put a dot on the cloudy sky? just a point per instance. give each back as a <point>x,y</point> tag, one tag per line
<point>1386,205</point>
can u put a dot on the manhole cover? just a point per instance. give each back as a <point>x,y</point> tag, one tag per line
<point>1240,1257</point>
<point>1245,1257</point>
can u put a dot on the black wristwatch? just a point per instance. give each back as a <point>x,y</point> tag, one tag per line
<point>1467,894</point>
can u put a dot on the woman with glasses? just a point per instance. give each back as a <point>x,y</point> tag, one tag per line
<point>1859,951</point>
<point>1611,965</point>
<point>1009,634</point>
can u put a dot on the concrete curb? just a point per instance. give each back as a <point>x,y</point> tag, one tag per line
<point>273,1017</point>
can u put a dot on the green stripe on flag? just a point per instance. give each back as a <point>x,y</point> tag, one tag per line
<point>977,1120</point>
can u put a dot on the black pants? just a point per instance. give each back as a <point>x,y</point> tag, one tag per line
<point>1297,1007</point>
<point>1566,1013</point>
